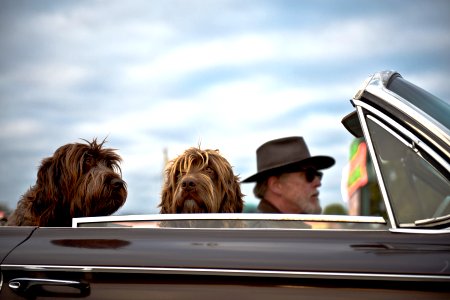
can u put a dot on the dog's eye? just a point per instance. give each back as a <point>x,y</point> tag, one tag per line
<point>210,171</point>
<point>88,160</point>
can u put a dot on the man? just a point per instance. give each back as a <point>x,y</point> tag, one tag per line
<point>288,177</point>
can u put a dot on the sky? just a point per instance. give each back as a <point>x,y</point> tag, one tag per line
<point>159,75</point>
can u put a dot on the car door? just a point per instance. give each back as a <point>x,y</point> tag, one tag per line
<point>169,263</point>
<point>10,238</point>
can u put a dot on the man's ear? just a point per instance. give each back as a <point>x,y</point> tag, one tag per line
<point>273,183</point>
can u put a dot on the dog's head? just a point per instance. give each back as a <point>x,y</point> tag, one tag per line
<point>79,180</point>
<point>200,181</point>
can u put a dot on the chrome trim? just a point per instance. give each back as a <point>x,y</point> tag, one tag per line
<point>386,75</point>
<point>377,89</point>
<point>231,216</point>
<point>418,143</point>
<point>376,165</point>
<point>421,231</point>
<point>363,87</point>
<point>232,272</point>
<point>17,283</point>
<point>378,79</point>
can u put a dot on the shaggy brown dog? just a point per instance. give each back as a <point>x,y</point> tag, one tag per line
<point>79,180</point>
<point>201,181</point>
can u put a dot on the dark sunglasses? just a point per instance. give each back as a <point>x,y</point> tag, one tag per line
<point>311,174</point>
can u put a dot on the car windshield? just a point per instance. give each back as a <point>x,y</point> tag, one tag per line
<point>417,190</point>
<point>428,103</point>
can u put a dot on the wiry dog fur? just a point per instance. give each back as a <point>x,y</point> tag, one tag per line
<point>201,181</point>
<point>79,180</point>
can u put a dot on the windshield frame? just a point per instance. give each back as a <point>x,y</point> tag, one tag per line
<point>363,109</point>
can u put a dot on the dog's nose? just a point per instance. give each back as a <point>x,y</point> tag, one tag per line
<point>117,183</point>
<point>188,184</point>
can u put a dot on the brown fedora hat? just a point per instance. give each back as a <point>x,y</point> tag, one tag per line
<point>284,155</point>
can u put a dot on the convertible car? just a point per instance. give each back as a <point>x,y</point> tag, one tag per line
<point>402,253</point>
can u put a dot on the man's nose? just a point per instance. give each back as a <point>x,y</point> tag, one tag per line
<point>317,182</point>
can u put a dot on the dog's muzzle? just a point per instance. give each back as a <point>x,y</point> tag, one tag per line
<point>188,184</point>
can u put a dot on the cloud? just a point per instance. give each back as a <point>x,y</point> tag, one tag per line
<point>155,75</point>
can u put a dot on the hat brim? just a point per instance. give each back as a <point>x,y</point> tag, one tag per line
<point>319,162</point>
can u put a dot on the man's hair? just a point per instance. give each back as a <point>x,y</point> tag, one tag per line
<point>260,188</point>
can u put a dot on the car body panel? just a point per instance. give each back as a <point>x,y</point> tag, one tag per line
<point>11,237</point>
<point>284,251</point>
<point>186,262</point>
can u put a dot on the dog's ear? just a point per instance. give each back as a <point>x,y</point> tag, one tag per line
<point>232,201</point>
<point>45,191</point>
<point>166,199</point>
<point>167,190</point>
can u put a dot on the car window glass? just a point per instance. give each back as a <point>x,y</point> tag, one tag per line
<point>432,105</point>
<point>238,221</point>
<point>416,189</point>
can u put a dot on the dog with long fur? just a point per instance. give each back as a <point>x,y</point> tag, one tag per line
<point>200,181</point>
<point>79,180</point>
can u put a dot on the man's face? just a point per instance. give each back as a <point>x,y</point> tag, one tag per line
<point>300,193</point>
